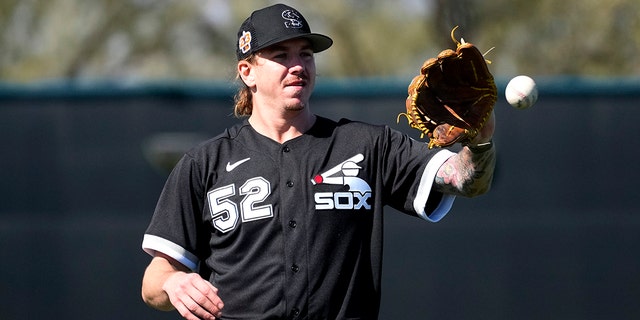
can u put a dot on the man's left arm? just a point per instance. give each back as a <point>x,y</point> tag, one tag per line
<point>469,173</point>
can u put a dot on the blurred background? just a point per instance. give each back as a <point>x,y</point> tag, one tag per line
<point>133,40</point>
<point>98,98</point>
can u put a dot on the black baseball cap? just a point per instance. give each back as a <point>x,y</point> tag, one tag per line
<point>275,24</point>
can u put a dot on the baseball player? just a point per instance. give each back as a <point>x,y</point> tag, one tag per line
<point>281,216</point>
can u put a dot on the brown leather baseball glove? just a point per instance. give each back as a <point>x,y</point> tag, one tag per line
<point>452,97</point>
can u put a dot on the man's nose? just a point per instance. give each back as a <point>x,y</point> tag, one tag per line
<point>296,66</point>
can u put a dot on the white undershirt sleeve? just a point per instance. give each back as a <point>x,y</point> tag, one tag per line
<point>424,189</point>
<point>151,244</point>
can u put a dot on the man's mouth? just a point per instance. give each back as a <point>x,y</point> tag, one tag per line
<point>297,83</point>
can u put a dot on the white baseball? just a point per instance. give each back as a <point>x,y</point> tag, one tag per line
<point>521,92</point>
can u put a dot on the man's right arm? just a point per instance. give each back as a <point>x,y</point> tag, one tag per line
<point>168,285</point>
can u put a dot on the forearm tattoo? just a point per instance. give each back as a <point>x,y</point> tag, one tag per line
<point>467,173</point>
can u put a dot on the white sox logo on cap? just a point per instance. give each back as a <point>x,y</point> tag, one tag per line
<point>292,19</point>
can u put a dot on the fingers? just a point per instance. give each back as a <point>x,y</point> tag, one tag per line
<point>194,297</point>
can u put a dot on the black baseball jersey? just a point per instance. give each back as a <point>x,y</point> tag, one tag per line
<point>294,230</point>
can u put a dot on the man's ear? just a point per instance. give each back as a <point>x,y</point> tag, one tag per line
<point>245,71</point>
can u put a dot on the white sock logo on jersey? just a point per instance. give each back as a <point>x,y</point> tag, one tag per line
<point>345,173</point>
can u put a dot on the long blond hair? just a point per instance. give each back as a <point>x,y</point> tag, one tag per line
<point>243,99</point>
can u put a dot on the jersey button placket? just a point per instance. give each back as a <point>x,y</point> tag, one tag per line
<point>295,254</point>
<point>286,149</point>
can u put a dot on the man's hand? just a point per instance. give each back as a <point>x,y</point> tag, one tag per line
<point>469,173</point>
<point>192,296</point>
<point>168,285</point>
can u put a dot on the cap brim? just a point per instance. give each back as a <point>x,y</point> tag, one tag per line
<point>319,42</point>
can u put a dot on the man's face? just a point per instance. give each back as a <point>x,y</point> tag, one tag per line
<point>284,74</point>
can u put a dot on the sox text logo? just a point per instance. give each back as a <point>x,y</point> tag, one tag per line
<point>345,173</point>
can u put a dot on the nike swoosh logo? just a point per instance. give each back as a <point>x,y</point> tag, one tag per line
<point>231,166</point>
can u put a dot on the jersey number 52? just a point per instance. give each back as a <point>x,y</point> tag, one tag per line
<point>226,213</point>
